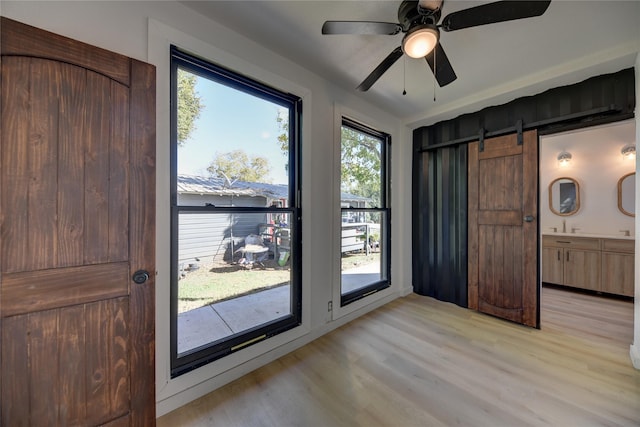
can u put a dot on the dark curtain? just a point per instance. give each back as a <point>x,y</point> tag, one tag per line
<point>440,241</point>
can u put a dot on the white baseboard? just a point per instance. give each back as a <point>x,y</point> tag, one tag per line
<point>634,353</point>
<point>406,291</point>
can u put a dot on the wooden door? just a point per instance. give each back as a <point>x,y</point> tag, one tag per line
<point>503,256</point>
<point>77,205</point>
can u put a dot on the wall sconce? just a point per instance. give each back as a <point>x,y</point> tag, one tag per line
<point>629,151</point>
<point>564,158</point>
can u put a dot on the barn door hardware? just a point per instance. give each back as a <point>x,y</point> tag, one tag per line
<point>519,130</point>
<point>481,139</point>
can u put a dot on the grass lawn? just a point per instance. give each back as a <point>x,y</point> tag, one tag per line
<point>357,259</point>
<point>211,284</point>
<point>219,282</point>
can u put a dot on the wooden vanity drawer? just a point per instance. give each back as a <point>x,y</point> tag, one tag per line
<point>586,243</point>
<point>619,245</point>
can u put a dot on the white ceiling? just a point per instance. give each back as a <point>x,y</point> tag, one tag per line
<point>495,63</point>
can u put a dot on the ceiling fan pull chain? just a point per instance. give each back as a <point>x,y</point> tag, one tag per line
<point>404,72</point>
<point>435,70</point>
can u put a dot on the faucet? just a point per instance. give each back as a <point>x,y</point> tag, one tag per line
<point>626,232</point>
<point>555,229</point>
<point>564,226</point>
<point>573,229</point>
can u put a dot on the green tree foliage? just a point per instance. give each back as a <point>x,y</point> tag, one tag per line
<point>238,165</point>
<point>282,119</point>
<point>189,106</point>
<point>361,165</point>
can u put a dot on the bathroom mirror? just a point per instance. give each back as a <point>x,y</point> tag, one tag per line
<point>564,196</point>
<point>627,194</point>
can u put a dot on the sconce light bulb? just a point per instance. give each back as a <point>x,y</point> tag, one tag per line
<point>629,151</point>
<point>564,158</point>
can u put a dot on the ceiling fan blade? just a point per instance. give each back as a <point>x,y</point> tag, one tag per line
<point>361,27</point>
<point>380,69</point>
<point>440,65</point>
<point>491,13</point>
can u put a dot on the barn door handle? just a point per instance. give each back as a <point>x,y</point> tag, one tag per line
<point>528,218</point>
<point>140,276</point>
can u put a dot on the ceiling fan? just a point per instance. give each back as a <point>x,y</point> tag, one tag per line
<point>419,21</point>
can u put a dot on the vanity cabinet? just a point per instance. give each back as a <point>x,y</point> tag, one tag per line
<point>597,264</point>
<point>618,261</point>
<point>553,265</point>
<point>573,261</point>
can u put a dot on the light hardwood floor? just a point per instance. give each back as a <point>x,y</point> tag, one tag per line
<point>422,362</point>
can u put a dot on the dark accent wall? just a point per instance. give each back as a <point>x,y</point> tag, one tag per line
<point>440,168</point>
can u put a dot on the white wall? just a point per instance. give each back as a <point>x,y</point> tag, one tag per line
<point>596,165</point>
<point>143,30</point>
<point>635,347</point>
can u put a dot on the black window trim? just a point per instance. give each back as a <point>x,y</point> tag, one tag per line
<point>203,355</point>
<point>385,209</point>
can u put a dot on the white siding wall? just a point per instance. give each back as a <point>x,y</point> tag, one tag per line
<point>208,236</point>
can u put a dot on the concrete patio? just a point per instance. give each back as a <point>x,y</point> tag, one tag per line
<point>210,323</point>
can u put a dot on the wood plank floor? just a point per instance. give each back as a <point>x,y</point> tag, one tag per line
<point>422,362</point>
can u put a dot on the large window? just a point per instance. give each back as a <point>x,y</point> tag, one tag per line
<point>235,209</point>
<point>364,188</point>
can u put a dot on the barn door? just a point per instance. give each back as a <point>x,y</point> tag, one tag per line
<point>77,204</point>
<point>503,236</point>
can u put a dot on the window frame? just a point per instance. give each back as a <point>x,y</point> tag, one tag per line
<point>200,356</point>
<point>384,210</point>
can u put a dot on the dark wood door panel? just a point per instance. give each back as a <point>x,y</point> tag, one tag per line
<point>65,193</point>
<point>502,243</point>
<point>77,217</point>
<point>66,366</point>
<point>33,291</point>
<point>501,178</point>
<point>500,256</point>
<point>503,217</point>
<point>499,147</point>
<point>24,40</point>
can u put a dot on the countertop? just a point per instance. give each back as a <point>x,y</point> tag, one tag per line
<point>598,236</point>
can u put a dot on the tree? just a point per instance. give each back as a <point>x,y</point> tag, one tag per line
<point>360,160</point>
<point>282,119</point>
<point>238,165</point>
<point>361,164</point>
<point>189,106</point>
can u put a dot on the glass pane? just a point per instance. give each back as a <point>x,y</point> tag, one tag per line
<point>362,247</point>
<point>234,274</point>
<point>361,169</point>
<point>233,147</point>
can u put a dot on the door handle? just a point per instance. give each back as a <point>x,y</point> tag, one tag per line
<point>140,276</point>
<point>528,218</point>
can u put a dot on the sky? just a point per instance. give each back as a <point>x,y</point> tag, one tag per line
<point>232,120</point>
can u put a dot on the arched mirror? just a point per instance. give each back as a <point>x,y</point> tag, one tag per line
<point>627,194</point>
<point>564,196</point>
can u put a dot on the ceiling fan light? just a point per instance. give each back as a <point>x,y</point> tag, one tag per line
<point>418,42</point>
